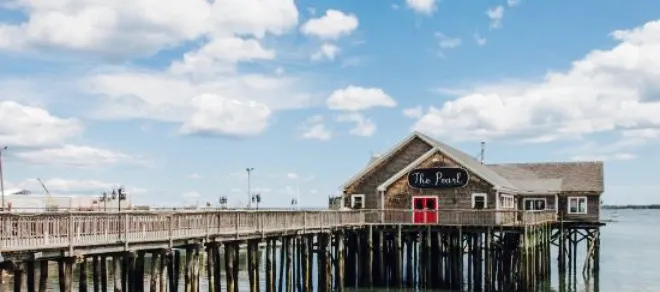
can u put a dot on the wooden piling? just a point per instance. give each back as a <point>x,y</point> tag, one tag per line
<point>116,273</point>
<point>82,272</point>
<point>43,276</point>
<point>229,266</point>
<point>30,271</point>
<point>18,276</point>
<point>104,274</point>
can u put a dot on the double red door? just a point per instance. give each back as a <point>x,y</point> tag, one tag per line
<point>425,210</point>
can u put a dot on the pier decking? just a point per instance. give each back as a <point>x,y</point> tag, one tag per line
<point>506,249</point>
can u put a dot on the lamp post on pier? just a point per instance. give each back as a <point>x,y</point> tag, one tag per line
<point>223,202</point>
<point>256,198</point>
<point>2,178</point>
<point>249,172</point>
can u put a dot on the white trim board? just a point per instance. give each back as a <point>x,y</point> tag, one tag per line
<point>383,187</point>
<point>586,205</point>
<point>480,195</point>
<point>353,196</point>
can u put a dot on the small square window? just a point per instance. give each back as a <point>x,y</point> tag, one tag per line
<point>357,201</point>
<point>577,205</point>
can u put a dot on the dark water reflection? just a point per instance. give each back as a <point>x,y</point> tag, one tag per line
<point>630,261</point>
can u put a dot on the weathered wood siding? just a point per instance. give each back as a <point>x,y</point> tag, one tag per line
<point>549,201</point>
<point>593,206</point>
<point>369,182</point>
<point>399,194</point>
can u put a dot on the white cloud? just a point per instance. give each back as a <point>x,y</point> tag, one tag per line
<point>24,125</point>
<point>481,41</point>
<point>326,51</point>
<point>195,175</point>
<point>315,129</point>
<point>414,112</point>
<point>355,98</point>
<point>332,25</point>
<point>607,90</point>
<point>292,175</point>
<point>512,3</point>
<point>76,156</point>
<point>446,42</point>
<point>216,115</point>
<point>220,55</point>
<point>140,26</point>
<point>422,6</point>
<point>495,14</point>
<point>363,126</point>
<point>60,186</point>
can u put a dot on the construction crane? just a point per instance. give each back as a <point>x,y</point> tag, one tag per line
<point>49,206</point>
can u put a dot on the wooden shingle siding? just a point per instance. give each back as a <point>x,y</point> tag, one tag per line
<point>593,206</point>
<point>399,195</point>
<point>367,184</point>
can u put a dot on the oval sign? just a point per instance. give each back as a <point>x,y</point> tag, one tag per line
<point>440,177</point>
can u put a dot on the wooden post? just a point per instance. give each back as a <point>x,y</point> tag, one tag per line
<point>162,274</point>
<point>398,259</point>
<point>210,267</point>
<point>153,272</point>
<point>268,268</point>
<point>104,274</point>
<point>195,270</point>
<point>172,272</point>
<point>289,263</point>
<point>43,276</point>
<point>251,267</point>
<point>368,266</point>
<point>30,270</point>
<point>18,276</point>
<point>188,270</point>
<point>177,268</point>
<point>304,254</point>
<point>138,275</point>
<point>60,274</point>
<point>116,272</point>
<point>230,268</point>
<point>68,274</point>
<point>273,266</point>
<point>282,263</point>
<point>82,280</point>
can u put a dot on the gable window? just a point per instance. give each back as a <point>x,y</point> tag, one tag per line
<point>479,201</point>
<point>577,205</point>
<point>357,201</point>
<point>507,202</point>
<point>534,204</point>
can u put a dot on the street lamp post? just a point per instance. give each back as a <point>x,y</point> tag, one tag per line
<point>2,178</point>
<point>223,202</point>
<point>257,199</point>
<point>249,171</point>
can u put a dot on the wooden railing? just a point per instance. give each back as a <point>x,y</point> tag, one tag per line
<point>68,230</point>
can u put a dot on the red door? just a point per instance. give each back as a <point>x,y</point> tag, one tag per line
<point>425,210</point>
<point>419,213</point>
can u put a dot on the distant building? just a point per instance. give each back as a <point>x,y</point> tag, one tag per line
<point>23,200</point>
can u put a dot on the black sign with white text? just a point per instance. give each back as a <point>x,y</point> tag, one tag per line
<point>438,178</point>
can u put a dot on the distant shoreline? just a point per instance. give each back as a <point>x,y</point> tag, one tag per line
<point>632,207</point>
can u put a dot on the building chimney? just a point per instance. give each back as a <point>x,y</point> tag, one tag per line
<point>483,151</point>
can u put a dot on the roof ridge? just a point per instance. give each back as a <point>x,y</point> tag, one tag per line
<point>547,162</point>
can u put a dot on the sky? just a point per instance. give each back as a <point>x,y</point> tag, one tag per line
<point>175,99</point>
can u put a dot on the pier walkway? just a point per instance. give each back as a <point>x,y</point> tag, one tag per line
<point>64,233</point>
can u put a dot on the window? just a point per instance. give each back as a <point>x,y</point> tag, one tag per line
<point>577,205</point>
<point>507,202</point>
<point>479,201</point>
<point>534,204</point>
<point>357,201</point>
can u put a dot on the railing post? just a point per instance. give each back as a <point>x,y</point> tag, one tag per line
<point>125,231</point>
<point>237,221</point>
<point>304,222</point>
<point>170,229</point>
<point>70,233</point>
<point>262,221</point>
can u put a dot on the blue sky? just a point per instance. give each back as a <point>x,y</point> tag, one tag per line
<point>175,99</point>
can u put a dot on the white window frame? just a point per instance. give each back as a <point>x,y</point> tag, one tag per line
<point>545,203</point>
<point>353,197</point>
<point>510,199</point>
<point>578,199</point>
<point>484,195</point>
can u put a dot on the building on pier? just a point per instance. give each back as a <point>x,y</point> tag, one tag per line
<point>571,189</point>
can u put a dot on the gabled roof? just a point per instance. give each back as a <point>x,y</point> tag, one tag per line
<point>410,167</point>
<point>375,162</point>
<point>574,176</point>
<point>460,157</point>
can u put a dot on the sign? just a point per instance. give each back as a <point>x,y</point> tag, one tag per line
<point>437,178</point>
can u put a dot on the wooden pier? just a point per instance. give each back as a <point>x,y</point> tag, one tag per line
<point>475,250</point>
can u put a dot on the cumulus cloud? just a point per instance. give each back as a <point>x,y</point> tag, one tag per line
<point>446,42</point>
<point>495,15</point>
<point>23,125</point>
<point>140,26</point>
<point>363,126</point>
<point>77,156</point>
<point>326,52</point>
<point>314,129</point>
<point>355,98</point>
<point>422,6</point>
<point>333,25</point>
<point>606,90</point>
<point>216,115</point>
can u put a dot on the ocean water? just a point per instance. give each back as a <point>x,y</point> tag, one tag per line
<point>630,260</point>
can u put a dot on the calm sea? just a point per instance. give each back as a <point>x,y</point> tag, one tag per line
<point>630,258</point>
